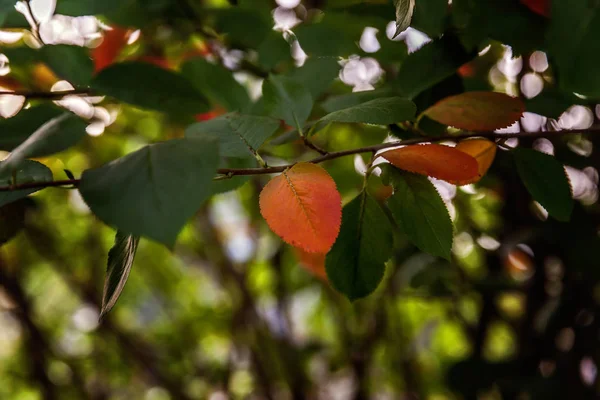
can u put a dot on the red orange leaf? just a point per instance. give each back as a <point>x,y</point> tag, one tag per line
<point>483,151</point>
<point>113,43</point>
<point>437,161</point>
<point>303,207</point>
<point>313,262</point>
<point>477,111</point>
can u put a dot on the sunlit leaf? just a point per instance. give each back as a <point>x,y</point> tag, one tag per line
<point>26,171</point>
<point>238,134</point>
<point>56,135</point>
<point>383,111</point>
<point>421,213</point>
<point>146,85</point>
<point>484,151</point>
<point>356,263</point>
<point>153,191</point>
<point>546,180</point>
<point>477,111</point>
<point>404,14</point>
<point>437,161</point>
<point>287,99</point>
<point>313,262</point>
<point>120,261</point>
<point>303,207</point>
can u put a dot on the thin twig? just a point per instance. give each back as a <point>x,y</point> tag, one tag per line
<point>31,95</point>
<point>225,173</point>
<point>36,24</point>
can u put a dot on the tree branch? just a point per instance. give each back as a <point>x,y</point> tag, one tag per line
<point>32,95</point>
<point>225,173</point>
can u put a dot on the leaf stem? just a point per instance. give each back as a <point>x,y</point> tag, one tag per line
<point>306,141</point>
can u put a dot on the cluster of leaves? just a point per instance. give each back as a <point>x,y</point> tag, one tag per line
<point>154,191</point>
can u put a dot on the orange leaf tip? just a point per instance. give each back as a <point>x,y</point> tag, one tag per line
<point>483,150</point>
<point>303,207</point>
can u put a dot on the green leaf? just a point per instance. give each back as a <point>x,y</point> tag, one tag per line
<point>382,111</point>
<point>430,65</point>
<point>56,135</point>
<point>15,130</point>
<point>243,26</point>
<point>12,218</point>
<point>273,51</point>
<point>323,39</point>
<point>420,212</point>
<point>238,135</point>
<point>27,171</point>
<point>153,191</point>
<point>404,14</point>
<point>77,8</point>
<point>546,180</point>
<point>120,261</point>
<point>348,100</point>
<point>287,99</point>
<point>7,5</point>
<point>148,86</point>
<point>573,35</point>
<point>72,63</point>
<point>430,16</point>
<point>356,263</point>
<point>317,73</point>
<point>217,83</point>
<point>505,21</point>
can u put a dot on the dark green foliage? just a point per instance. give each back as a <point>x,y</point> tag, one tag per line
<point>381,111</point>
<point>57,134</point>
<point>168,181</point>
<point>420,213</point>
<point>287,99</point>
<point>238,135</point>
<point>146,85</point>
<point>23,172</point>
<point>546,180</point>
<point>356,263</point>
<point>217,83</point>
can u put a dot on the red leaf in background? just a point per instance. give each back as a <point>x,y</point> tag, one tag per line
<point>303,207</point>
<point>541,7</point>
<point>435,160</point>
<point>207,116</point>
<point>113,43</point>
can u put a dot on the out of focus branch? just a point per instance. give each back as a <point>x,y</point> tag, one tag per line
<point>36,344</point>
<point>34,95</point>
